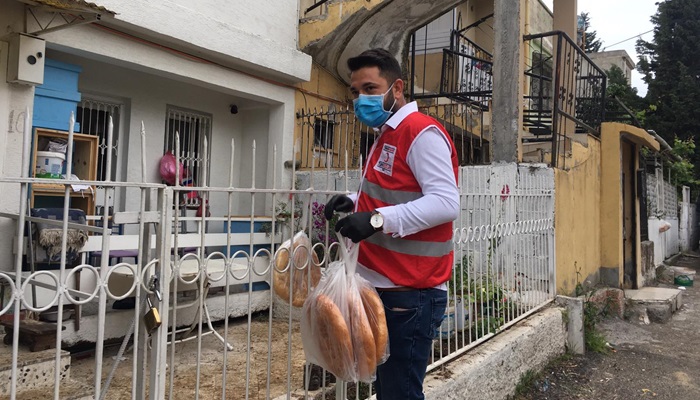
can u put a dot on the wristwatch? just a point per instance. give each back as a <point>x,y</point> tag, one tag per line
<point>376,220</point>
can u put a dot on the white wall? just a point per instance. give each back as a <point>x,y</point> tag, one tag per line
<point>14,99</point>
<point>248,34</point>
<point>147,97</point>
<point>666,244</point>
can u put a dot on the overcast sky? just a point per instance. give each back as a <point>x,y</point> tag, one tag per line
<point>617,20</point>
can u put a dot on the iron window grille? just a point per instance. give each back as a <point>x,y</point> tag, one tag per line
<point>192,127</point>
<point>93,117</point>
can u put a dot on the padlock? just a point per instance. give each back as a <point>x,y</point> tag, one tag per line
<point>152,318</point>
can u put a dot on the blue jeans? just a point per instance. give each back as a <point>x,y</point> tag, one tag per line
<point>412,317</point>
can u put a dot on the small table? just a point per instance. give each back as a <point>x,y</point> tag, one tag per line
<point>37,335</point>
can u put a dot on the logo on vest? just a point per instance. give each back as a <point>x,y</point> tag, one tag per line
<point>385,164</point>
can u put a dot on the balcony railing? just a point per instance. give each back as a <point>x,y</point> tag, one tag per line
<point>315,6</point>
<point>565,91</point>
<point>465,73</point>
<point>617,111</point>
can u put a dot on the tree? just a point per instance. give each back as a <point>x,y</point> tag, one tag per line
<point>618,87</point>
<point>670,65</point>
<point>589,39</point>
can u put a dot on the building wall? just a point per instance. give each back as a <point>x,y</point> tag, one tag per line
<point>473,11</point>
<point>315,27</point>
<point>162,53</point>
<point>322,92</point>
<point>662,206</point>
<point>606,59</point>
<point>540,18</point>
<point>578,219</point>
<point>611,211</point>
<point>147,97</point>
<point>248,33</point>
<point>14,100</point>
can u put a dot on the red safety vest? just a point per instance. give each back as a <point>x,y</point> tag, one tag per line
<point>421,260</point>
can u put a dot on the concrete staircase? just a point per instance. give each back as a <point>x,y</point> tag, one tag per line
<point>657,304</point>
<point>352,26</point>
<point>35,376</point>
<point>653,304</point>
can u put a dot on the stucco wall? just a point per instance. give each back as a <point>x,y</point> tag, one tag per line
<point>539,19</point>
<point>248,33</point>
<point>146,98</point>
<point>577,223</point>
<point>606,59</point>
<point>321,93</point>
<point>14,100</point>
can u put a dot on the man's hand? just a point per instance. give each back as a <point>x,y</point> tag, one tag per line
<point>339,202</point>
<point>356,226</point>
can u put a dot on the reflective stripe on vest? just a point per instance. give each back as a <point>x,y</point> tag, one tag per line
<point>412,247</point>
<point>388,196</point>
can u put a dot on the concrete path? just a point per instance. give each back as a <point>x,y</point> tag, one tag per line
<point>659,361</point>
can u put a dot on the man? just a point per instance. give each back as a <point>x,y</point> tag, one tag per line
<point>403,217</point>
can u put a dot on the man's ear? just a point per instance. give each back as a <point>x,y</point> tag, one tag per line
<point>398,88</point>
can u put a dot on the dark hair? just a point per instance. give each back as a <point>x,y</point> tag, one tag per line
<point>389,68</point>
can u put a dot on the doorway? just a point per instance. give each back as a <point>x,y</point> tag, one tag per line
<point>629,214</point>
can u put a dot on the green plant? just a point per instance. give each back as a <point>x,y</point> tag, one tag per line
<point>283,216</point>
<point>592,314</point>
<point>527,380</point>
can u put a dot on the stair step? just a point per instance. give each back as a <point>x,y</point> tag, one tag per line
<point>653,304</point>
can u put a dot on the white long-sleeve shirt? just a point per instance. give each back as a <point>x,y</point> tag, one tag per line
<point>430,161</point>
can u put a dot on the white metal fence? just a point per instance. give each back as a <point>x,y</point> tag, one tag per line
<point>224,333</point>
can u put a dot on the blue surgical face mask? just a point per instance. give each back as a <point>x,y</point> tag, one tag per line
<point>370,109</point>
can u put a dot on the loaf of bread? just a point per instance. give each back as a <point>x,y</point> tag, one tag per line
<point>306,271</point>
<point>362,338</point>
<point>374,309</point>
<point>335,344</point>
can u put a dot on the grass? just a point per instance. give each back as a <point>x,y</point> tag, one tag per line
<point>532,380</point>
<point>527,380</point>
<point>592,314</point>
<point>596,342</point>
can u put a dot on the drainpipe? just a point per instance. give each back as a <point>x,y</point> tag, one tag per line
<point>666,148</point>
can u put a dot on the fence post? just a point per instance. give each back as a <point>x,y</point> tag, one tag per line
<point>158,359</point>
<point>555,103</point>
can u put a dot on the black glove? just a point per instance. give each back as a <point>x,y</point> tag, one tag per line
<point>356,226</point>
<point>339,202</point>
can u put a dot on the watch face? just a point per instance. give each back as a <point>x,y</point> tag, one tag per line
<point>377,221</point>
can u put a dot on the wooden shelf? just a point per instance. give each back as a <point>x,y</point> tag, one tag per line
<point>84,167</point>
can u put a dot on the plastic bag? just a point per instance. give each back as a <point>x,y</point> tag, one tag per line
<point>304,263</point>
<point>168,171</point>
<point>343,327</point>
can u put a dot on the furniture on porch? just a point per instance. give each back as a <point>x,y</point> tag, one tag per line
<point>84,167</point>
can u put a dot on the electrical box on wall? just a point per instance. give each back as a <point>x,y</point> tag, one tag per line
<point>26,60</point>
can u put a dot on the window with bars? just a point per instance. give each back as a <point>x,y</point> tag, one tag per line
<point>93,117</point>
<point>192,127</point>
<point>323,133</point>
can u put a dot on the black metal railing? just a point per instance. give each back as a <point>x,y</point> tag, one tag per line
<point>465,73</point>
<point>332,137</point>
<point>465,123</point>
<point>317,4</point>
<point>617,111</point>
<point>566,91</point>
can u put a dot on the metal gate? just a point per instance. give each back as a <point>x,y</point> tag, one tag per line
<point>224,331</point>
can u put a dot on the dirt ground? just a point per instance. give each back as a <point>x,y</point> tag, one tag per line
<point>659,361</point>
<point>212,361</point>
